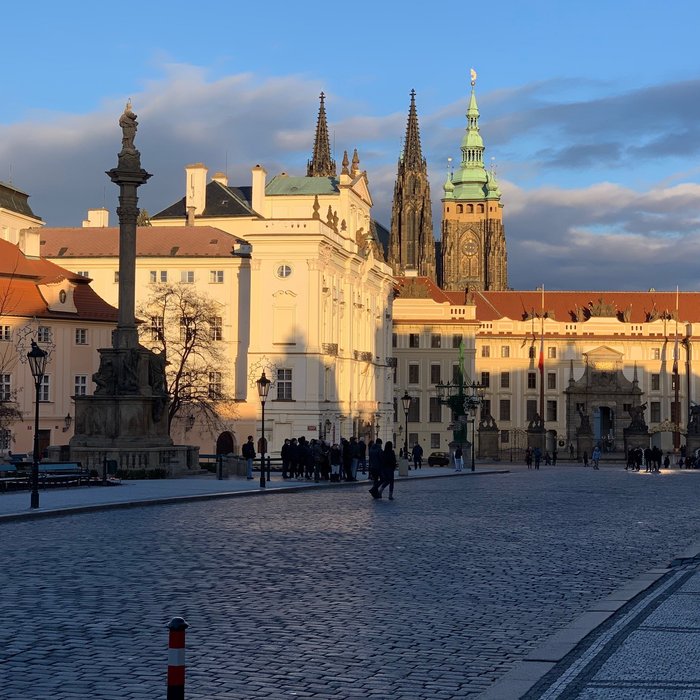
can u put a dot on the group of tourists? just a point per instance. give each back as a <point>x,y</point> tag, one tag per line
<point>534,456</point>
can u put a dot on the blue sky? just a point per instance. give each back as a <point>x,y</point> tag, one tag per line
<point>590,110</point>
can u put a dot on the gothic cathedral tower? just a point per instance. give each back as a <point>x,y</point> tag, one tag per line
<point>412,243</point>
<point>473,239</point>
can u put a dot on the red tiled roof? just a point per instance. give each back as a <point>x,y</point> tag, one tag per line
<point>567,306</point>
<point>151,241</point>
<point>20,295</point>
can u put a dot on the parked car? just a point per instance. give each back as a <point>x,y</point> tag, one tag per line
<point>438,459</point>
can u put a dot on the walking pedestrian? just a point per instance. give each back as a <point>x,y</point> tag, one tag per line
<point>375,466</point>
<point>248,452</point>
<point>528,457</point>
<point>585,458</point>
<point>417,456</point>
<point>595,456</point>
<point>389,465</point>
<point>537,454</point>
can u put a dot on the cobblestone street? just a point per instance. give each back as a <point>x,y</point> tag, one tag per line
<point>328,594</point>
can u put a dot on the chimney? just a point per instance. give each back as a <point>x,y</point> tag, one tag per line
<point>221,178</point>
<point>258,197</point>
<point>196,188</point>
<point>97,218</point>
<point>190,216</point>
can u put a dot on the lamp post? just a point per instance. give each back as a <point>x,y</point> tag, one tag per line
<point>37,364</point>
<point>263,387</point>
<point>406,403</point>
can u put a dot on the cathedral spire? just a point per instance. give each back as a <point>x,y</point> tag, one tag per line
<point>412,155</point>
<point>321,163</point>
<point>411,242</point>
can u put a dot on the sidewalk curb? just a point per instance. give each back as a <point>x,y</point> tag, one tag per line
<point>533,667</point>
<point>171,500</point>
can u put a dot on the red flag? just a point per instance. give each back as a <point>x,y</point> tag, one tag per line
<point>540,363</point>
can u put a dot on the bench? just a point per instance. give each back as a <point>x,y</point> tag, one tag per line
<point>63,474</point>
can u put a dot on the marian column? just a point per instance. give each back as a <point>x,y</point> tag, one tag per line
<point>126,419</point>
<point>129,175</point>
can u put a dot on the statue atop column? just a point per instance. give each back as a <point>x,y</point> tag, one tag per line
<point>129,126</point>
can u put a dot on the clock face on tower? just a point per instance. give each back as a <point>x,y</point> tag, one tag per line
<point>470,247</point>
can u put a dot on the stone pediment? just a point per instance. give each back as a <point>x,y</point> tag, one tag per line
<point>604,358</point>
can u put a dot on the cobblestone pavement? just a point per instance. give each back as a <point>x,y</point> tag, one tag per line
<point>328,594</point>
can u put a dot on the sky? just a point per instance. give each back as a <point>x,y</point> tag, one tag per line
<point>590,112</point>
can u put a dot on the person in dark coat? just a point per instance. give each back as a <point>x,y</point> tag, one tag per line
<point>375,466</point>
<point>389,465</point>
<point>347,459</point>
<point>284,454</point>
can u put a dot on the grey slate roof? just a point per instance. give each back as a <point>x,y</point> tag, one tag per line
<point>291,185</point>
<point>221,200</point>
<point>15,200</point>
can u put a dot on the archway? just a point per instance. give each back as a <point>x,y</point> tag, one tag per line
<point>226,444</point>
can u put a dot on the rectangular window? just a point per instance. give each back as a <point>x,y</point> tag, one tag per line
<point>551,353</point>
<point>116,276</point>
<point>505,435</point>
<point>434,374</point>
<point>486,351</point>
<point>284,384</point>
<point>157,328</point>
<point>414,410</point>
<point>551,410</point>
<point>5,387</point>
<point>83,273</point>
<point>626,408</point>
<point>531,380</point>
<point>45,388</point>
<point>656,353</point>
<point>485,379</point>
<point>81,336</point>
<point>412,439</point>
<point>435,341</point>
<point>163,276</point>
<point>216,276</point>
<point>216,328</point>
<point>435,410</point>
<point>214,389</point>
<point>456,340</point>
<point>551,380</point>
<point>5,332</point>
<point>413,374</point>
<point>80,385</point>
<point>413,340</point>
<point>434,441</point>
<point>505,350</point>
<point>655,382</point>
<point>187,276</point>
<point>530,409</point>
<point>153,276</point>
<point>655,412</point>
<point>485,408</point>
<point>43,334</point>
<point>393,340</point>
<point>504,409</point>
<point>505,380</point>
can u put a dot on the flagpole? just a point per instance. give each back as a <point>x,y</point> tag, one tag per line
<point>676,388</point>
<point>541,361</point>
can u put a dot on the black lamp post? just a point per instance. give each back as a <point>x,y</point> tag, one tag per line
<point>406,403</point>
<point>263,387</point>
<point>37,364</point>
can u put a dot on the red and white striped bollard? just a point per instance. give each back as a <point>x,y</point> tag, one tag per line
<point>176,659</point>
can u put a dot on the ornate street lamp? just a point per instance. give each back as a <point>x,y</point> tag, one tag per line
<point>406,403</point>
<point>37,364</point>
<point>263,387</point>
<point>67,422</point>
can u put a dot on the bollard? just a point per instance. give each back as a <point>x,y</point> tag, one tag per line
<point>176,659</point>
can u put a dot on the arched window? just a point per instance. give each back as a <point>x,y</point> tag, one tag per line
<point>460,209</point>
<point>480,208</point>
<point>470,208</point>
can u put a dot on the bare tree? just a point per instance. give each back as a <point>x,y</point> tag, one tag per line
<point>186,325</point>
